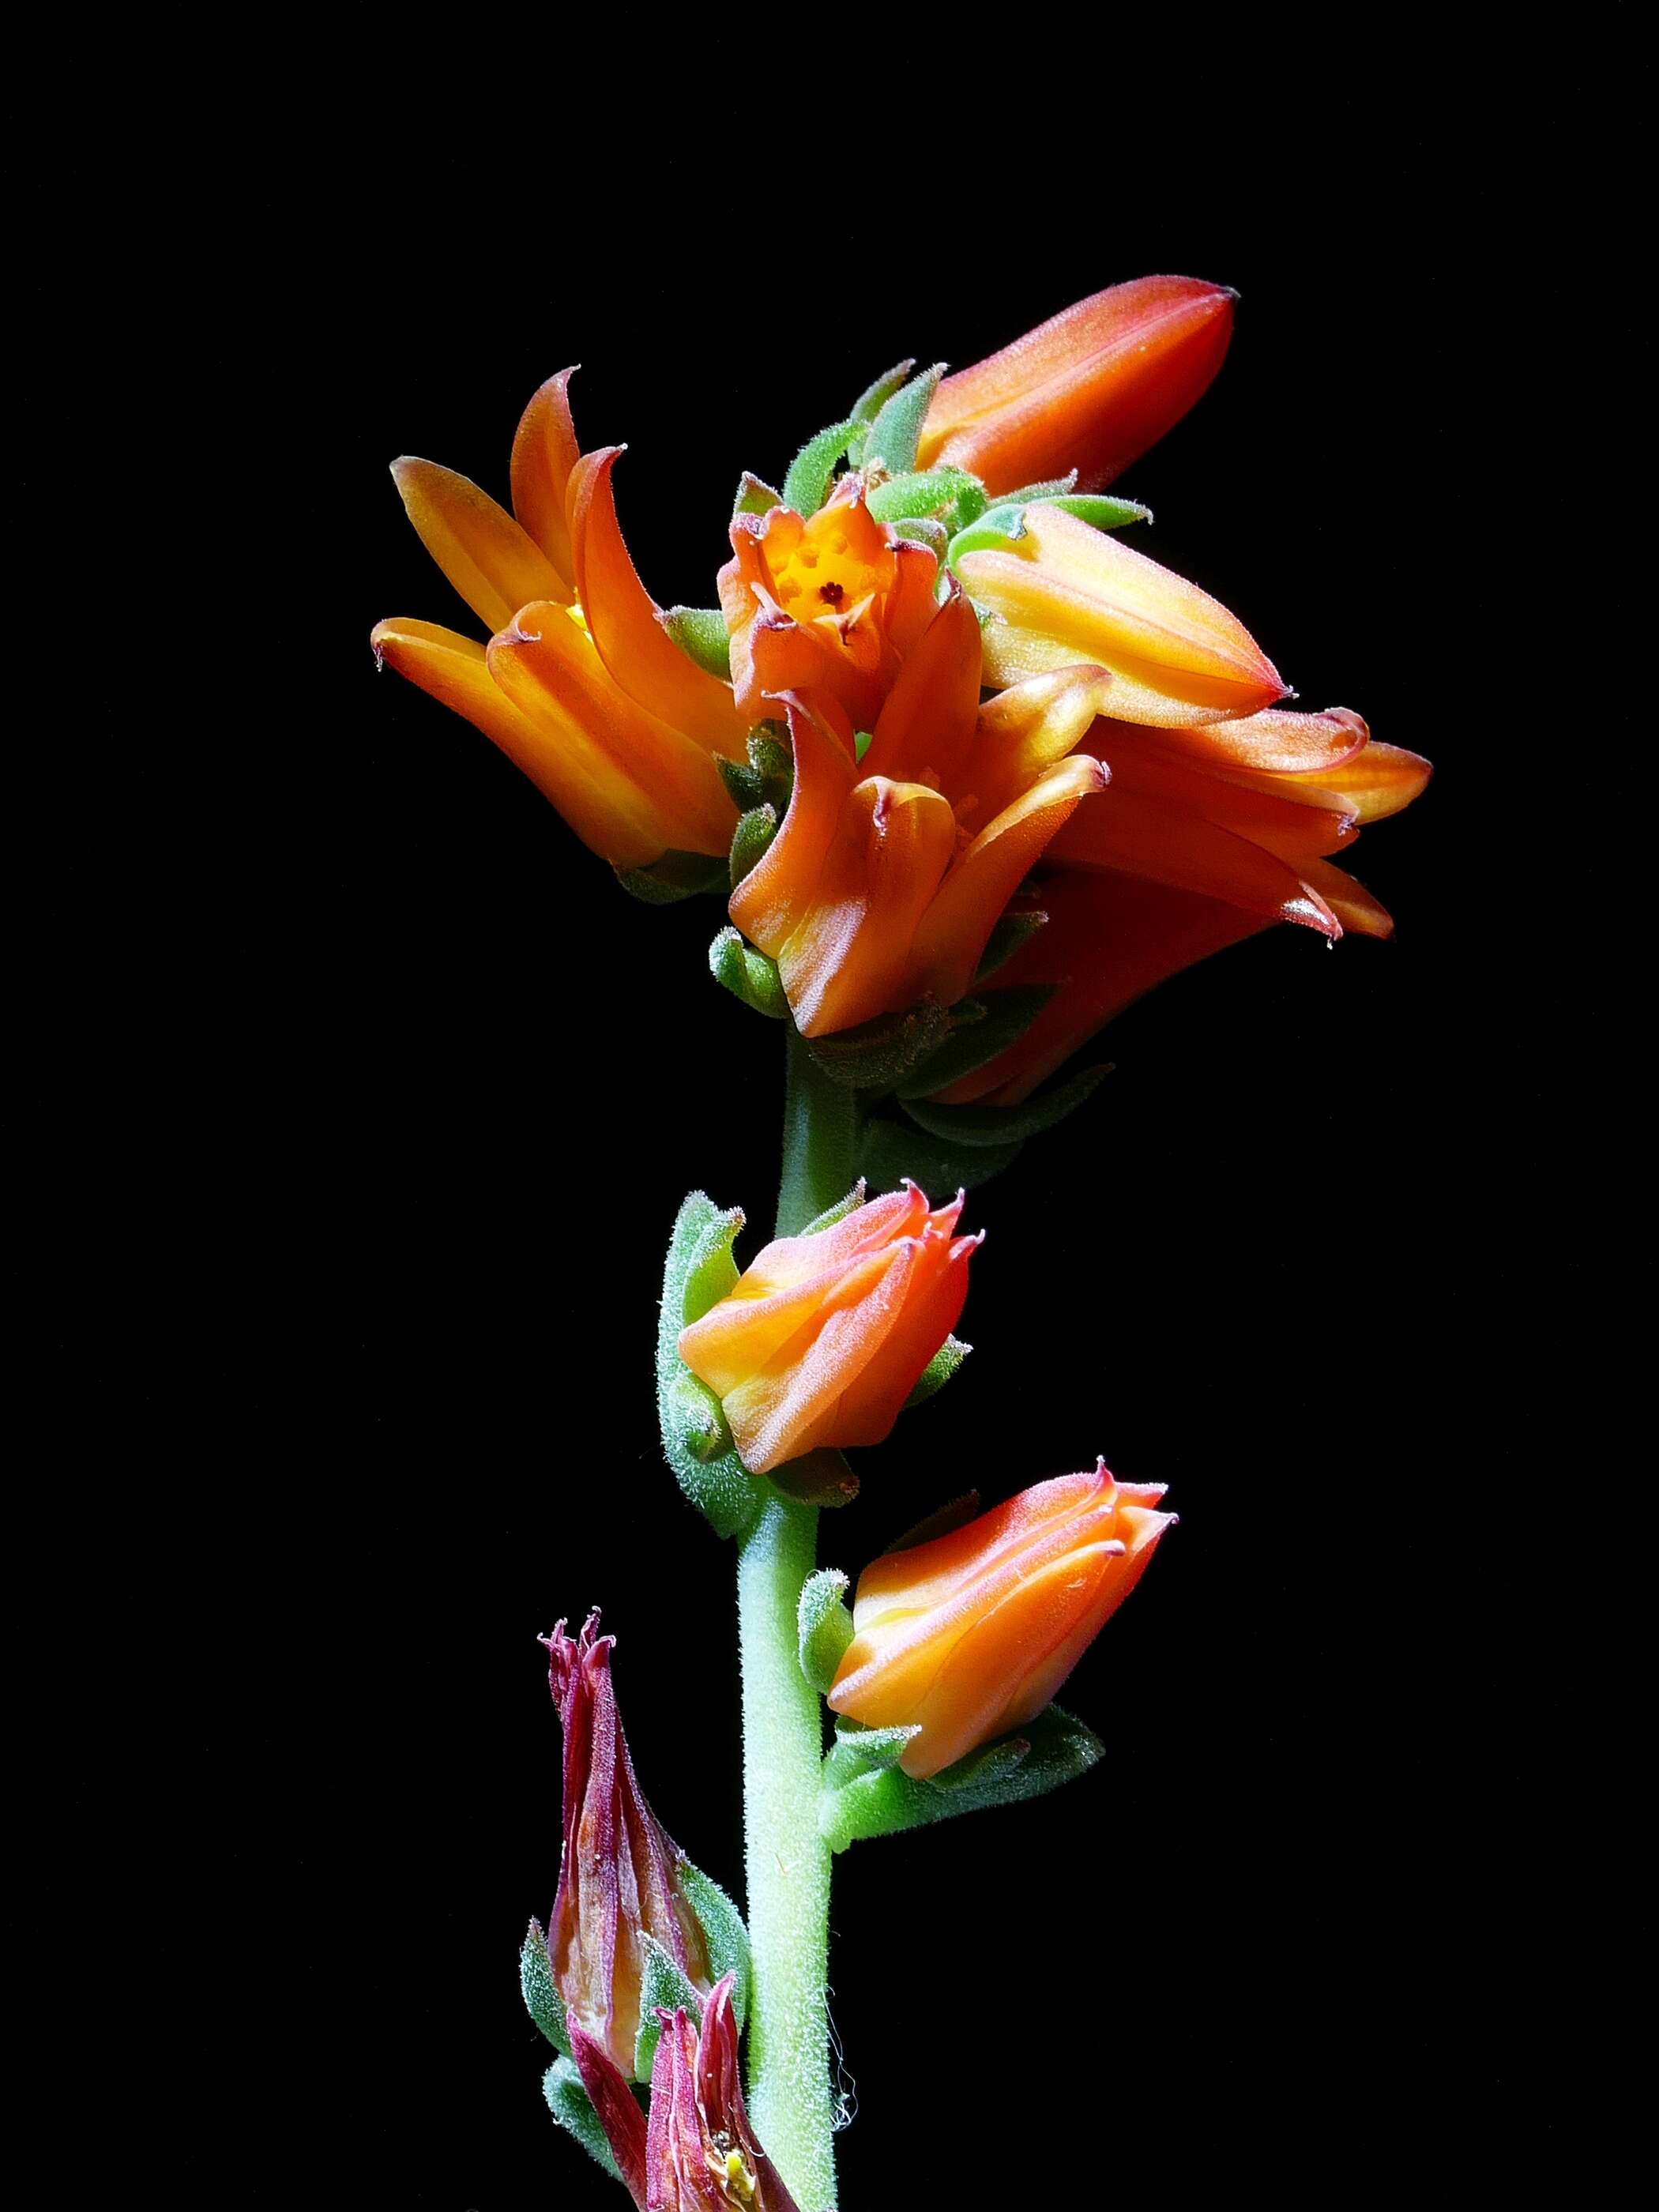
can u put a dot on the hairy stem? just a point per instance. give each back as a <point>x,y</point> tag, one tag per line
<point>820,1142</point>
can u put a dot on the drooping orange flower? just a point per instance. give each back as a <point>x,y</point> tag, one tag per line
<point>1064,592</point>
<point>1205,836</point>
<point>965,1638</point>
<point>580,685</point>
<point>888,875</point>
<point>824,1336</point>
<point>831,602</point>
<point>1090,389</point>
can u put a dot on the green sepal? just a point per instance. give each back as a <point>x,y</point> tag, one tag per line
<point>889,1151</point>
<point>1055,1749</point>
<point>1008,1014</point>
<point>747,974</point>
<point>771,760</point>
<point>1006,940</point>
<point>541,1992</point>
<point>816,1478</point>
<point>938,1372</point>
<point>700,1271</point>
<point>1047,488</point>
<point>943,1521</point>
<point>838,1211</point>
<point>701,635</point>
<point>922,530</point>
<point>723,1932</point>
<point>754,833</point>
<point>989,1125</point>
<point>859,1754</point>
<point>897,430</point>
<point>909,498</point>
<point>743,786</point>
<point>874,397</point>
<point>566,2099</point>
<point>808,481</point>
<point>875,1054</point>
<point>754,496</point>
<point>1004,524</point>
<point>676,876</point>
<point>824,1626</point>
<point>700,1419</point>
<point>662,1983</point>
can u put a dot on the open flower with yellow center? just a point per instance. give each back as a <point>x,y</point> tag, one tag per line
<point>888,875</point>
<point>580,685</point>
<point>831,601</point>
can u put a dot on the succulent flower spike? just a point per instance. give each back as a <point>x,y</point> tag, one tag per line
<point>701,2155</point>
<point>621,1879</point>
<point>826,1334</point>
<point>964,1638</point>
<point>580,686</point>
<point>1090,390</point>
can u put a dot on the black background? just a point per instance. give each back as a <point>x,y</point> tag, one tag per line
<point>361,1102</point>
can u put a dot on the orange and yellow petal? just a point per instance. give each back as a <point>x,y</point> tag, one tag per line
<point>775,897</point>
<point>493,563</point>
<point>925,731</point>
<point>544,452</point>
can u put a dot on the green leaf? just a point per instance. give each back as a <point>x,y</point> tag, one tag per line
<point>818,1477</point>
<point>700,634</point>
<point>723,1931</point>
<point>1008,1014</point>
<point>938,1372</point>
<point>1006,940</point>
<point>754,833</point>
<point>1004,525</point>
<point>1056,1748</point>
<point>859,1753</point>
<point>808,481</point>
<point>754,497</point>
<point>990,1126</point>
<point>662,1983</point>
<point>541,1992</point>
<point>748,974</point>
<point>889,1151</point>
<point>832,1214</point>
<point>869,402</point>
<point>874,1056</point>
<point>676,876</point>
<point>907,498</point>
<point>566,2099</point>
<point>700,1271</point>
<point>897,430</point>
<point>824,1625</point>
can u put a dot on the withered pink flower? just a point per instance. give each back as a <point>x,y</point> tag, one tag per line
<point>701,2155</point>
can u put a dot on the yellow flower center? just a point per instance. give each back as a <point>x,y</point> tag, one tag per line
<point>822,574</point>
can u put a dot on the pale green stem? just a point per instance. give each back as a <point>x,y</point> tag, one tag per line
<point>820,1142</point>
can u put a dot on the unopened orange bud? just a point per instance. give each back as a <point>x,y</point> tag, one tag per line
<point>1092,389</point>
<point>825,1335</point>
<point>968,1636</point>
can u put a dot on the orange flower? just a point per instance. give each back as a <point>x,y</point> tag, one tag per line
<point>825,1335</point>
<point>965,1638</point>
<point>1064,592</point>
<point>833,602</point>
<point>1090,389</point>
<point>580,686</point>
<point>887,877</point>
<point>1205,836</point>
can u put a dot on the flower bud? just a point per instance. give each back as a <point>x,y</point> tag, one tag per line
<point>965,1638</point>
<point>1090,390</point>
<point>824,1336</point>
<point>620,1874</point>
<point>701,2155</point>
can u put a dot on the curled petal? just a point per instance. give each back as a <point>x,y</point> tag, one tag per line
<point>1027,728</point>
<point>1372,784</point>
<point>924,732</point>
<point>1138,836</point>
<point>1296,816</point>
<point>544,452</point>
<point>494,565</point>
<point>1280,741</point>
<point>776,895</point>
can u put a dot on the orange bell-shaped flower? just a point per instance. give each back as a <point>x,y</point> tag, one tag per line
<point>965,1638</point>
<point>824,1336</point>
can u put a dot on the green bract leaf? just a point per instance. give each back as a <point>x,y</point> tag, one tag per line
<point>723,1931</point>
<point>978,1126</point>
<point>700,1420</point>
<point>773,761</point>
<point>906,498</point>
<point>832,1214</point>
<point>808,480</point>
<point>859,1753</point>
<point>541,1992</point>
<point>1008,1015</point>
<point>1097,508</point>
<point>869,402</point>
<point>1057,1747</point>
<point>897,430</point>
<point>923,530</point>
<point>824,1625</point>
<point>661,1984</point>
<point>748,974</point>
<point>1003,525</point>
<point>743,786</point>
<point>889,1151</point>
<point>754,497</point>
<point>753,834</point>
<point>676,876</point>
<point>818,1477</point>
<point>938,1370</point>
<point>875,1054</point>
<point>566,2099</point>
<point>700,1271</point>
<point>700,634</point>
<point>1006,940</point>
